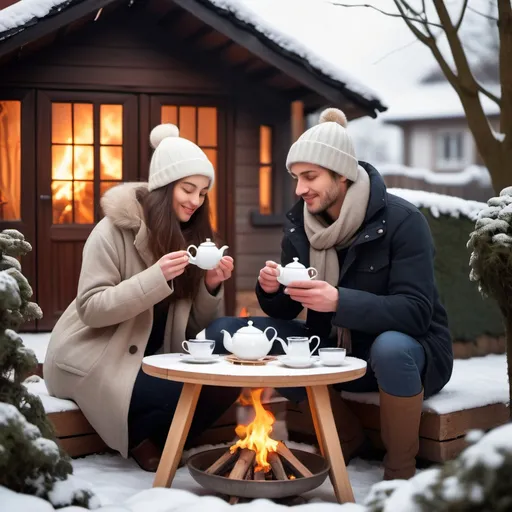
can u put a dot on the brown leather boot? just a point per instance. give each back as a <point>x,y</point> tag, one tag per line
<point>147,455</point>
<point>399,429</point>
<point>350,431</point>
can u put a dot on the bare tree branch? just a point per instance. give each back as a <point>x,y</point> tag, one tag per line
<point>489,94</point>
<point>492,18</point>
<point>391,14</point>
<point>430,41</point>
<point>461,17</point>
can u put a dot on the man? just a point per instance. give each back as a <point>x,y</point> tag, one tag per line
<point>375,292</point>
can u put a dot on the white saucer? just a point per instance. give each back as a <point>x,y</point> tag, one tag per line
<point>187,358</point>
<point>296,364</point>
<point>330,365</point>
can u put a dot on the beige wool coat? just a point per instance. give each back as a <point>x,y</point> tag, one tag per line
<point>97,345</point>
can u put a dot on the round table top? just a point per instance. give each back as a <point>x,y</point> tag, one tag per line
<point>274,374</point>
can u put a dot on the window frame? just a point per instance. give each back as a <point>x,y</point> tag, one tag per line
<point>448,135</point>
<point>44,146</point>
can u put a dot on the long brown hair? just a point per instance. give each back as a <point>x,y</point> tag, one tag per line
<point>167,234</point>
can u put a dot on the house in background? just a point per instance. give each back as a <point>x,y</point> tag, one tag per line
<point>81,85</point>
<point>439,152</point>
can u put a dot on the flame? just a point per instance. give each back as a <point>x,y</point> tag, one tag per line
<point>244,312</point>
<point>255,436</point>
<point>76,162</point>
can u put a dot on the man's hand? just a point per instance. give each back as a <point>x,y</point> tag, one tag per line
<point>316,295</point>
<point>219,274</point>
<point>268,277</point>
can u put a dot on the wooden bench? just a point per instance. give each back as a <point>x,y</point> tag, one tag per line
<point>442,428</point>
<point>441,435</point>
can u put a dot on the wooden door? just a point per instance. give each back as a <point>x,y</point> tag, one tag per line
<point>17,178</point>
<point>204,121</point>
<point>86,143</point>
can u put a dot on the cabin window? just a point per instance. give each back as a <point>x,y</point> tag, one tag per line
<point>451,153</point>
<point>266,170</point>
<point>10,160</point>
<point>87,158</point>
<point>199,125</point>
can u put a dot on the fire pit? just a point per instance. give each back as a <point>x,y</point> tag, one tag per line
<point>257,465</point>
<point>257,485</point>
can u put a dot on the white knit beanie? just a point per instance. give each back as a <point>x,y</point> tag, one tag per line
<point>327,144</point>
<point>175,158</point>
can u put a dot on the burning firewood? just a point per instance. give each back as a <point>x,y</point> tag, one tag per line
<point>259,475</point>
<point>243,463</point>
<point>222,463</point>
<point>288,456</point>
<point>277,466</point>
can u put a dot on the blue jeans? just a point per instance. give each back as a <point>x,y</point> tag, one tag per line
<point>395,365</point>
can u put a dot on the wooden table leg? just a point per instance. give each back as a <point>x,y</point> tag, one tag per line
<point>177,435</point>
<point>329,442</point>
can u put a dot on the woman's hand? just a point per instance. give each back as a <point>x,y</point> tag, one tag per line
<point>173,264</point>
<point>219,274</point>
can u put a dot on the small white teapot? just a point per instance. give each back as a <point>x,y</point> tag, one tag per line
<point>295,271</point>
<point>207,255</point>
<point>249,342</point>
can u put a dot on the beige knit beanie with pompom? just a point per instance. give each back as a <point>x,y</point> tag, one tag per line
<point>175,158</point>
<point>327,144</point>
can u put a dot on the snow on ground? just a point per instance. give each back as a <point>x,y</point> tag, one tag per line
<point>38,342</point>
<point>115,479</point>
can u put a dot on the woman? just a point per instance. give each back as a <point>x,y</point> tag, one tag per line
<point>137,296</point>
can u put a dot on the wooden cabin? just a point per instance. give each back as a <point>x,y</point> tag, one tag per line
<point>83,82</point>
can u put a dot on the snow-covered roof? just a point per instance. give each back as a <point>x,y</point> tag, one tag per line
<point>279,22</point>
<point>288,23</point>
<point>433,101</point>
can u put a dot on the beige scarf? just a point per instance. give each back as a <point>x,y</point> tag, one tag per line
<point>324,238</point>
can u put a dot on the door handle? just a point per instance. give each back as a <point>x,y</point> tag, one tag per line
<point>45,197</point>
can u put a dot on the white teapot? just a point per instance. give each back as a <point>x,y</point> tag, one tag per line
<point>207,255</point>
<point>249,342</point>
<point>295,271</point>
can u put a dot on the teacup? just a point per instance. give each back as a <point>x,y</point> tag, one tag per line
<point>332,356</point>
<point>199,349</point>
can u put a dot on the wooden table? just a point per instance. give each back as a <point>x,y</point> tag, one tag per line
<point>274,374</point>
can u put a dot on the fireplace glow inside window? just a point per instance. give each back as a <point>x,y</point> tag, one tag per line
<point>10,160</point>
<point>199,125</point>
<point>266,164</point>
<point>87,158</point>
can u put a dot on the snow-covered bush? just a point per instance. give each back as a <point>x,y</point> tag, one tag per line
<point>491,259</point>
<point>30,460</point>
<point>478,479</point>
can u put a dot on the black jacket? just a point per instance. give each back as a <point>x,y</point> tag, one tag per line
<point>386,282</point>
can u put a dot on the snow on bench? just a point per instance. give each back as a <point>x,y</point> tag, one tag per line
<point>475,382</point>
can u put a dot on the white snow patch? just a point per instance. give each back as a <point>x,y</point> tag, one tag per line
<point>475,382</point>
<point>46,446</point>
<point>36,386</point>
<point>24,11</point>
<point>64,491</point>
<point>472,173</point>
<point>440,204</point>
